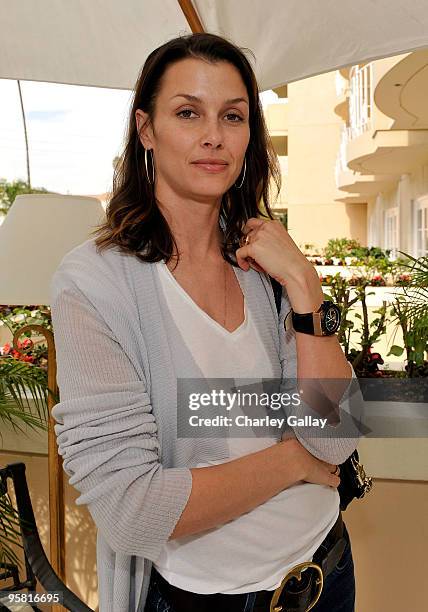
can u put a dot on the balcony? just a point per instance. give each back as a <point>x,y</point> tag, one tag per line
<point>372,143</point>
<point>354,183</point>
<point>391,152</point>
<point>402,90</point>
<point>342,91</point>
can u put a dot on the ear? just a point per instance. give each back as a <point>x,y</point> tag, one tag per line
<point>144,128</point>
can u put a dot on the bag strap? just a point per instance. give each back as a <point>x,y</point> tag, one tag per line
<point>277,292</point>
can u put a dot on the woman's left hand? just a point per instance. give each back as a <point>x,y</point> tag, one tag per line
<point>272,250</point>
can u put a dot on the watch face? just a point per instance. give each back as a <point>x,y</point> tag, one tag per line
<point>332,319</point>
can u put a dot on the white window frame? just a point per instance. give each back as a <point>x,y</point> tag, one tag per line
<point>420,227</point>
<point>391,230</point>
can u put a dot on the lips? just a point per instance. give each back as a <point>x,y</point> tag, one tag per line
<point>211,162</point>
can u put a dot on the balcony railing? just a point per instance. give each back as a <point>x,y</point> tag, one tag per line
<point>360,112</point>
<point>360,99</point>
<point>341,84</point>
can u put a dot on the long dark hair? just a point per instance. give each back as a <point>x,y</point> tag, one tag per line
<point>134,221</point>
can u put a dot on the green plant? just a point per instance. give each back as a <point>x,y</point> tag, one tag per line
<point>13,319</point>
<point>377,281</point>
<point>349,294</point>
<point>23,402</point>
<point>19,382</point>
<point>9,531</point>
<point>415,339</point>
<point>403,280</point>
<point>370,332</point>
<point>411,312</point>
<point>340,293</point>
<point>340,247</point>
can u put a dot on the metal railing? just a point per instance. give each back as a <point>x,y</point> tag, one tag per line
<point>360,99</point>
<point>361,106</point>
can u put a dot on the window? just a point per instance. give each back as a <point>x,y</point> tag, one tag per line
<point>420,225</point>
<point>391,231</point>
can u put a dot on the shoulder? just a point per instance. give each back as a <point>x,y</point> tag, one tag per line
<point>89,269</point>
<point>89,254</point>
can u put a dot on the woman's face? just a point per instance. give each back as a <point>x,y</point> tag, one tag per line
<point>201,112</point>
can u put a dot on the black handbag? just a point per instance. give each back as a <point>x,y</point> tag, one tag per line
<point>353,480</point>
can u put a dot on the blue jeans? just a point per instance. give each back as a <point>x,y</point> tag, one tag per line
<point>338,594</point>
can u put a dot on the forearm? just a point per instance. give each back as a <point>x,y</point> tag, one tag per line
<point>223,492</point>
<point>322,358</point>
<point>318,357</point>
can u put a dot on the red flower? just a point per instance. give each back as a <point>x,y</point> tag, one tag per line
<point>6,349</point>
<point>27,358</point>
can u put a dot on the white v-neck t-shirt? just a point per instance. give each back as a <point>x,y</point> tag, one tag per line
<point>255,550</point>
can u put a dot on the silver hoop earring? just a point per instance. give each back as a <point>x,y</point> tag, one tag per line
<point>147,169</point>
<point>243,176</point>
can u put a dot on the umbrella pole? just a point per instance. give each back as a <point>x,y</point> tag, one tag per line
<point>191,16</point>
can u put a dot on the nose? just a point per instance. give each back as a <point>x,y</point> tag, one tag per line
<point>213,135</point>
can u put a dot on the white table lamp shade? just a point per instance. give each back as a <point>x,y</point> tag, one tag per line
<point>37,232</point>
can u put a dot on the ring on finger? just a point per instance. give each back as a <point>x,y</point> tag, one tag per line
<point>244,240</point>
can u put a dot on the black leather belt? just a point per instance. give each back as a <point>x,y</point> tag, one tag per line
<point>300,588</point>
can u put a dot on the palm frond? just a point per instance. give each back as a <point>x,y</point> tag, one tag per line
<point>10,533</point>
<point>417,293</point>
<point>21,382</point>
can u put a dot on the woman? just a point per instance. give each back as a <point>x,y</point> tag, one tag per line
<point>175,288</point>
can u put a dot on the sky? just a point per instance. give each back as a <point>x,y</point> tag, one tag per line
<point>74,133</point>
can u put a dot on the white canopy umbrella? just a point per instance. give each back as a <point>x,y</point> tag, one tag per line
<point>104,43</point>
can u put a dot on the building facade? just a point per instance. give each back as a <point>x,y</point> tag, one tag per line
<point>354,148</point>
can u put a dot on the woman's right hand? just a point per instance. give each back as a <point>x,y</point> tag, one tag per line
<point>309,468</point>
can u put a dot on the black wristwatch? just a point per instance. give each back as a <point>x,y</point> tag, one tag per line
<point>324,322</point>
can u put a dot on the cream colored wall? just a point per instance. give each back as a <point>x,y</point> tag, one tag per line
<point>388,533</point>
<point>313,144</point>
<point>317,223</point>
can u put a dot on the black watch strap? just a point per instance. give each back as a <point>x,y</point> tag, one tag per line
<point>315,323</point>
<point>303,322</point>
<point>308,322</point>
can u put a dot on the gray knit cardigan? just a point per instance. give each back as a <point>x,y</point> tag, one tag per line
<point>119,355</point>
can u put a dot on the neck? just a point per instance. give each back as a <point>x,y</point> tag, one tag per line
<point>196,231</point>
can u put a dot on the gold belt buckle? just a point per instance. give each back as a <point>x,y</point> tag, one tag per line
<point>296,572</point>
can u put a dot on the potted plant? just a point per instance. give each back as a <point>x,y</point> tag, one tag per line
<point>23,402</point>
<point>377,281</point>
<point>410,311</point>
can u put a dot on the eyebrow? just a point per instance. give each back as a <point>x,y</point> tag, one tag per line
<point>196,99</point>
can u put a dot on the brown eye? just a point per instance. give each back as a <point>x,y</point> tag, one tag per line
<point>185,110</point>
<point>235,115</point>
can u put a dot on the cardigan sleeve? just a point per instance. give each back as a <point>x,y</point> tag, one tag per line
<point>334,443</point>
<point>107,433</point>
